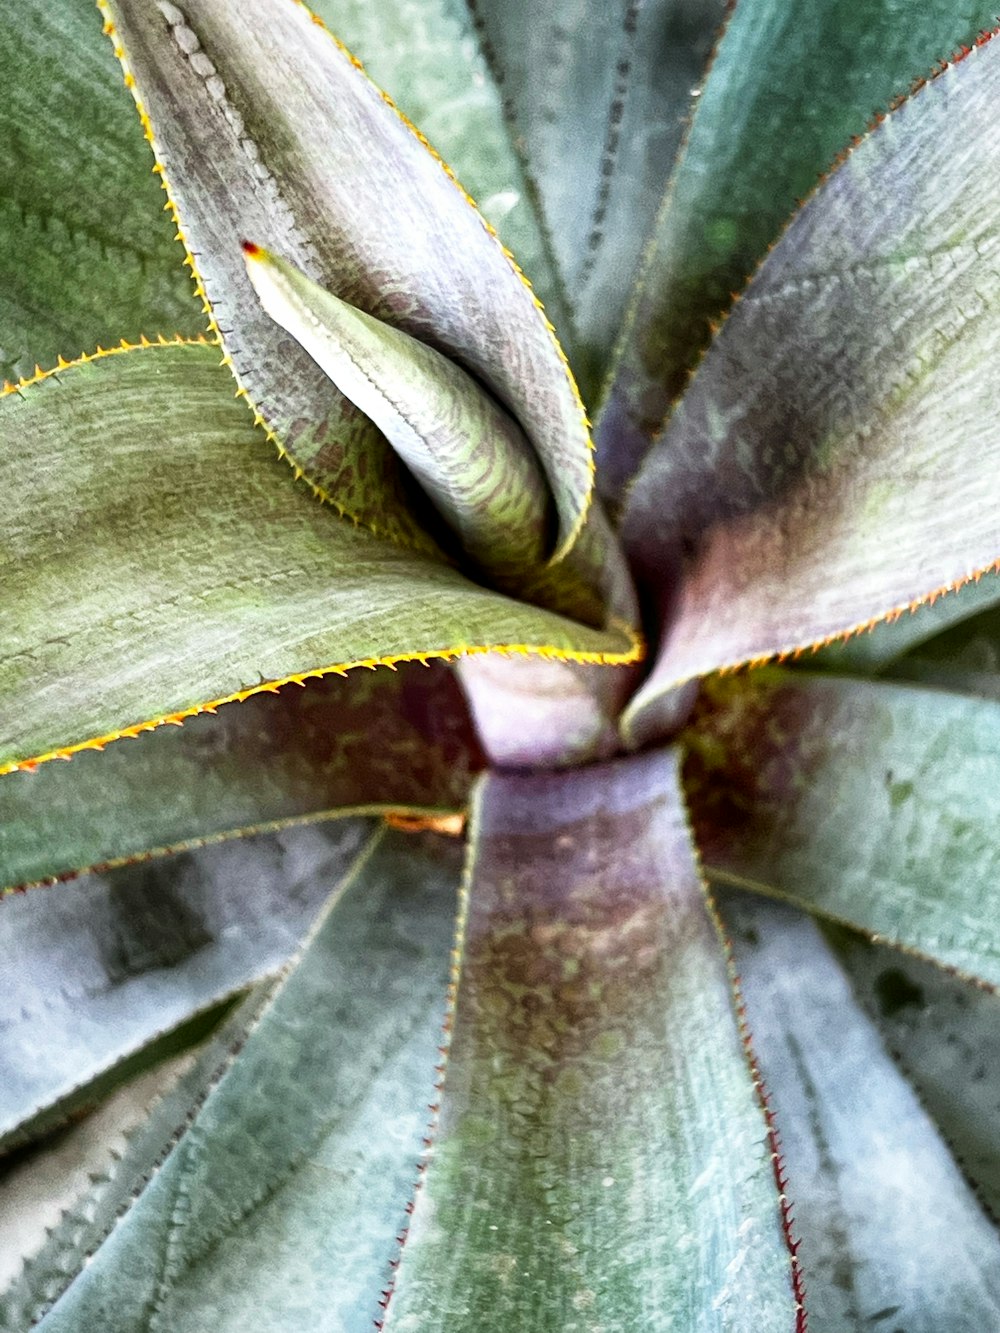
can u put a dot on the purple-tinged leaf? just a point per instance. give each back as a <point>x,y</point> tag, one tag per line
<point>870,803</point>
<point>425,52</point>
<point>387,740</point>
<point>827,468</point>
<point>790,84</point>
<point>601,1158</point>
<point>265,127</point>
<point>890,1235</point>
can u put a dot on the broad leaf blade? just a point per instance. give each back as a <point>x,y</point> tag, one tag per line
<point>873,804</point>
<point>266,128</point>
<point>890,1235</point>
<point>87,255</point>
<point>599,136</point>
<point>600,1156</point>
<point>792,82</point>
<point>853,461</point>
<point>177,564</point>
<point>96,971</point>
<point>373,740</point>
<point>291,1200</point>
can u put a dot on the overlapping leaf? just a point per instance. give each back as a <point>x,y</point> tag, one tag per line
<point>867,802</point>
<point>97,971</point>
<point>826,467</point>
<point>426,54</point>
<point>599,136</point>
<point>600,1160</point>
<point>281,1203</point>
<point>87,254</point>
<point>791,83</point>
<point>257,119</point>
<point>156,558</point>
<point>890,1235</point>
<point>388,739</point>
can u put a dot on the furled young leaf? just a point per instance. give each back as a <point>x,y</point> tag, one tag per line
<point>826,467</point>
<point>791,83</point>
<point>945,1035</point>
<point>871,803</point>
<point>156,558</point>
<point>426,52</point>
<point>93,972</point>
<point>59,1200</point>
<point>890,1235</point>
<point>599,136</point>
<point>470,457</point>
<point>87,255</point>
<point>382,739</point>
<point>279,1207</point>
<point>256,118</point>
<point>601,1160</point>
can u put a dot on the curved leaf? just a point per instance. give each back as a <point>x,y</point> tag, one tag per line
<point>373,740</point>
<point>890,1236</point>
<point>156,559</point>
<point>425,52</point>
<point>854,462</point>
<point>791,83</point>
<point>86,253</point>
<point>599,136</point>
<point>280,1206</point>
<point>256,119</point>
<point>873,804</point>
<point>600,1160</point>
<point>469,455</point>
<point>97,971</point>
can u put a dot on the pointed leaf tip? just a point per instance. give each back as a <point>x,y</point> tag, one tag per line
<point>469,455</point>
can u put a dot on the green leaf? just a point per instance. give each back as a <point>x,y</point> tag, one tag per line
<point>600,1159</point>
<point>891,1237</point>
<point>965,657</point>
<point>87,255</point>
<point>375,740</point>
<point>945,1035</point>
<point>265,128</point>
<point>885,643</point>
<point>157,559</point>
<point>825,468</point>
<point>470,457</point>
<point>873,804</point>
<point>279,1207</point>
<point>426,53</point>
<point>599,136</point>
<point>98,971</point>
<point>59,1200</point>
<point>791,83</point>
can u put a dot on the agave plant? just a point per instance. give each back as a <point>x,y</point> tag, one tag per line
<point>349,484</point>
